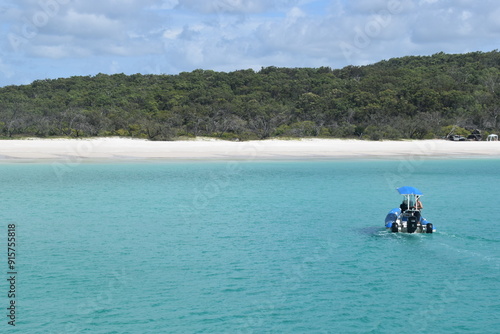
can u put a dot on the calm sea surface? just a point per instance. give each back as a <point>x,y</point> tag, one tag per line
<point>250,247</point>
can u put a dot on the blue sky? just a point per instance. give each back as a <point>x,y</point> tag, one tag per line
<point>42,39</point>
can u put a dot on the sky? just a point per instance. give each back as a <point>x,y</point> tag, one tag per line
<point>47,39</point>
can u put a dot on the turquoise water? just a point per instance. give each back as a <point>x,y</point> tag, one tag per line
<point>251,247</point>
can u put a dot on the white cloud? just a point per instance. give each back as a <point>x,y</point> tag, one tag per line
<point>54,52</point>
<point>168,4</point>
<point>224,6</point>
<point>366,6</point>
<point>447,24</point>
<point>295,13</point>
<point>87,25</point>
<point>114,8</point>
<point>235,6</point>
<point>172,33</point>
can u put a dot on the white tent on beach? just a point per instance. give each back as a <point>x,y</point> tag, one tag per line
<point>492,137</point>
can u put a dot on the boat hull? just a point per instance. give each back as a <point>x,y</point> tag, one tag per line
<point>407,222</point>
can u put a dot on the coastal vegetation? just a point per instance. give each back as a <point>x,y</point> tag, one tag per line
<point>414,97</point>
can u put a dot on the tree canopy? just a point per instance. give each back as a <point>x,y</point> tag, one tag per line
<point>412,97</point>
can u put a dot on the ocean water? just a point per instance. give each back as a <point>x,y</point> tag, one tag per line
<point>250,247</point>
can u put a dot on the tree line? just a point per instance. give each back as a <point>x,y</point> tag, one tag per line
<point>414,97</point>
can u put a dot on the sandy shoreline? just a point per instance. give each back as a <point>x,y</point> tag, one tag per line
<point>210,149</point>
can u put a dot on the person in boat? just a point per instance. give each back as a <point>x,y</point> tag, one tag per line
<point>418,206</point>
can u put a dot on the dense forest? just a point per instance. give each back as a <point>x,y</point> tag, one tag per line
<point>415,97</point>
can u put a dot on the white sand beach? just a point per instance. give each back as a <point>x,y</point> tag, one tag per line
<point>212,149</point>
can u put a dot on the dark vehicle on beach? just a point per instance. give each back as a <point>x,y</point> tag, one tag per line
<point>457,138</point>
<point>475,136</point>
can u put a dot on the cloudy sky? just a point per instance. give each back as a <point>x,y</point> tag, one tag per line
<point>60,38</point>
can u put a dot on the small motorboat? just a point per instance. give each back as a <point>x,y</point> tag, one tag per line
<point>408,217</point>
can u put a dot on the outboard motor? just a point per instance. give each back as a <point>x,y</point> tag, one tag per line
<point>394,228</point>
<point>411,224</point>
<point>428,228</point>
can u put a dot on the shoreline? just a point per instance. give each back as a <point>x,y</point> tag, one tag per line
<point>115,149</point>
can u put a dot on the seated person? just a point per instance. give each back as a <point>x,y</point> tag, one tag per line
<point>418,206</point>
